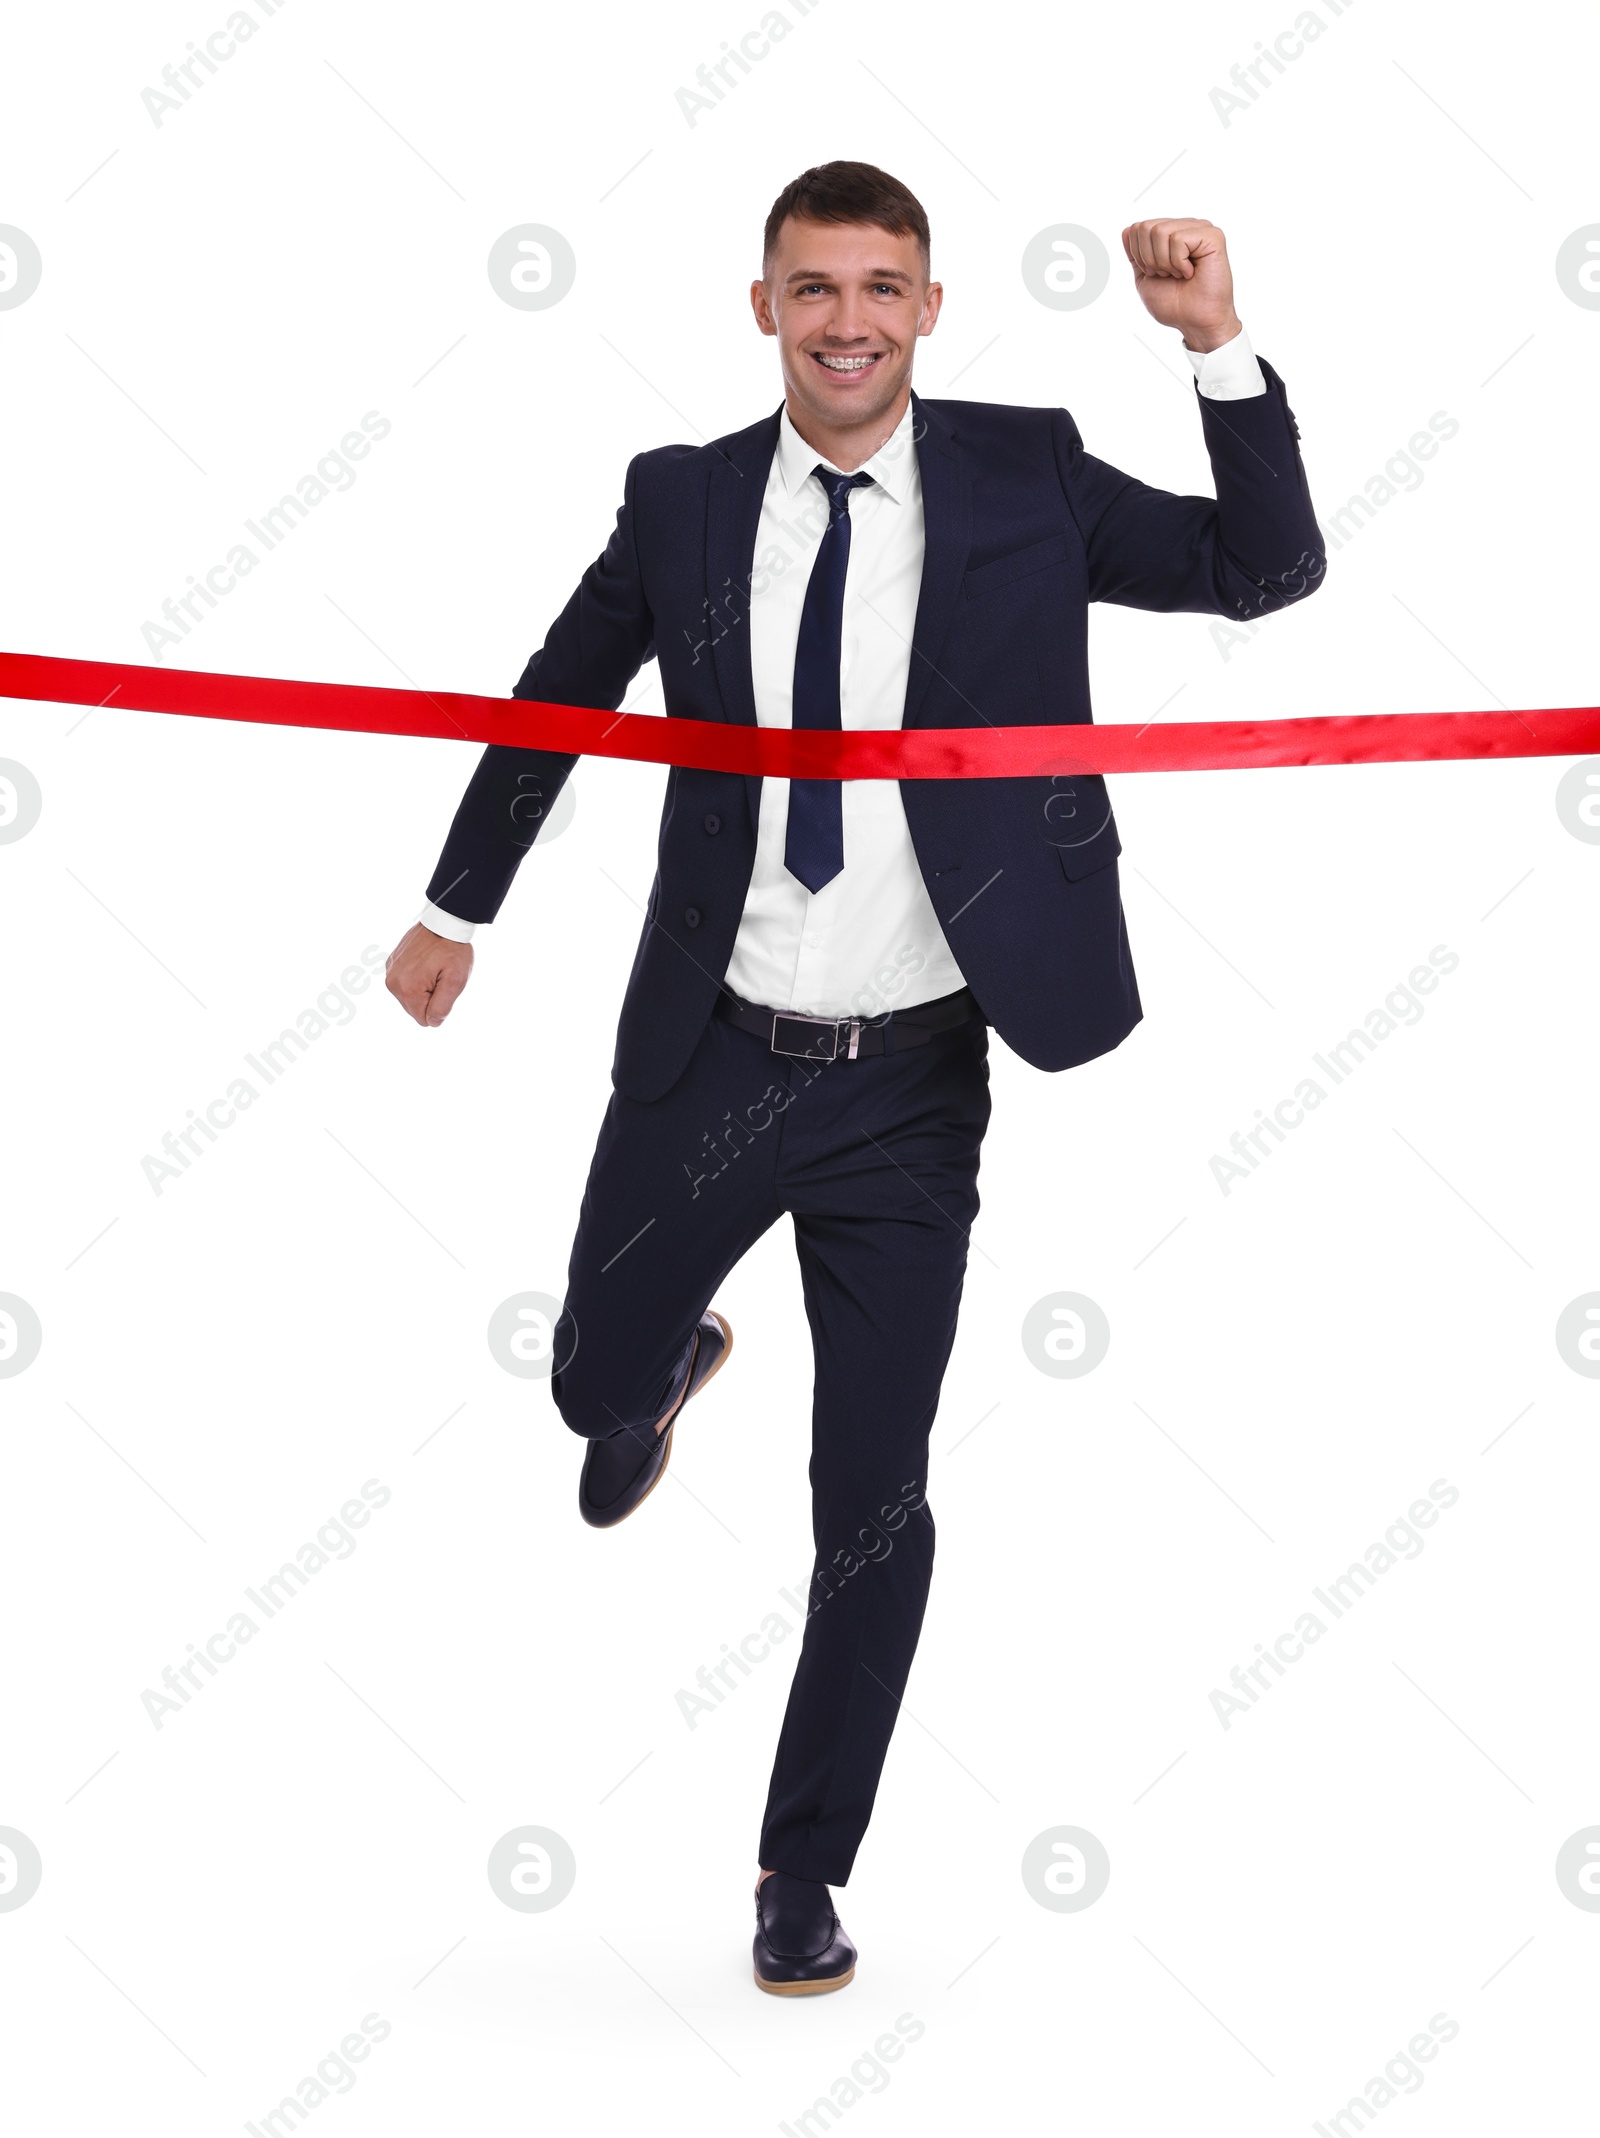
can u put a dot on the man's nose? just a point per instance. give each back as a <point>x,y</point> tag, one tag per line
<point>848,323</point>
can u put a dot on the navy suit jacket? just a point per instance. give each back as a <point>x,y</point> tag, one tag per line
<point>1023,530</point>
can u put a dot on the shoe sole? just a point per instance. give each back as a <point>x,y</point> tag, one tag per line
<point>666,1452</point>
<point>806,1989</point>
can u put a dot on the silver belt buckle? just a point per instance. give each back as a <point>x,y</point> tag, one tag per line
<point>817,1026</point>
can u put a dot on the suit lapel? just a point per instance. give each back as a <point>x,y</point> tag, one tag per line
<point>733,516</point>
<point>947,538</point>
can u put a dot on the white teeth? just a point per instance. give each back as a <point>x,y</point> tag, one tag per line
<point>847,363</point>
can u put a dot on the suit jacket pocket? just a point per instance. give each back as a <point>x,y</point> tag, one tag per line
<point>1037,557</point>
<point>1079,824</point>
<point>1095,852</point>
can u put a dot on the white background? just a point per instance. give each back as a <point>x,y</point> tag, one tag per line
<point>1289,1368</point>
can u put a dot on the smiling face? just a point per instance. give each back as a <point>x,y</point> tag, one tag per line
<point>847,302</point>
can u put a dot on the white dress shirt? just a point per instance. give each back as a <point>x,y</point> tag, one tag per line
<point>869,940</point>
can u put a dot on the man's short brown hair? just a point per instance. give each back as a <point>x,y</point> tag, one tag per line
<point>848,193</point>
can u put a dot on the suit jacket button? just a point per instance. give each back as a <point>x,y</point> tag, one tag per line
<point>691,916</point>
<point>713,825</point>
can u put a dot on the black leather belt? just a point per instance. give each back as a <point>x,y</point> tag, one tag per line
<point>848,1039</point>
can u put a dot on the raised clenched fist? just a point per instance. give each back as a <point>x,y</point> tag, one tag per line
<point>1181,271</point>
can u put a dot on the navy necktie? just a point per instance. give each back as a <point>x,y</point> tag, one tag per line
<point>814,841</point>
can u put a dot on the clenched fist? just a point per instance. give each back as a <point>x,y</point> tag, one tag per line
<point>1180,269</point>
<point>426,972</point>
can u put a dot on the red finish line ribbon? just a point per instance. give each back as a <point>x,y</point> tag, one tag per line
<point>787,753</point>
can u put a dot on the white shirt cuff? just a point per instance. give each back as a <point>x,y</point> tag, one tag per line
<point>1229,373</point>
<point>446,924</point>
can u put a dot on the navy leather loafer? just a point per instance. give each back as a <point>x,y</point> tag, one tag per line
<point>801,1947</point>
<point>621,1471</point>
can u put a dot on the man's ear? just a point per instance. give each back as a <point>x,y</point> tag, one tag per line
<point>932,298</point>
<point>762,309</point>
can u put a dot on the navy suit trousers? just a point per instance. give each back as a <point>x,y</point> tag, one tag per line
<point>876,1162</point>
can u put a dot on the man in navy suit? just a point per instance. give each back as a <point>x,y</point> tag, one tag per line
<point>805,1029</point>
